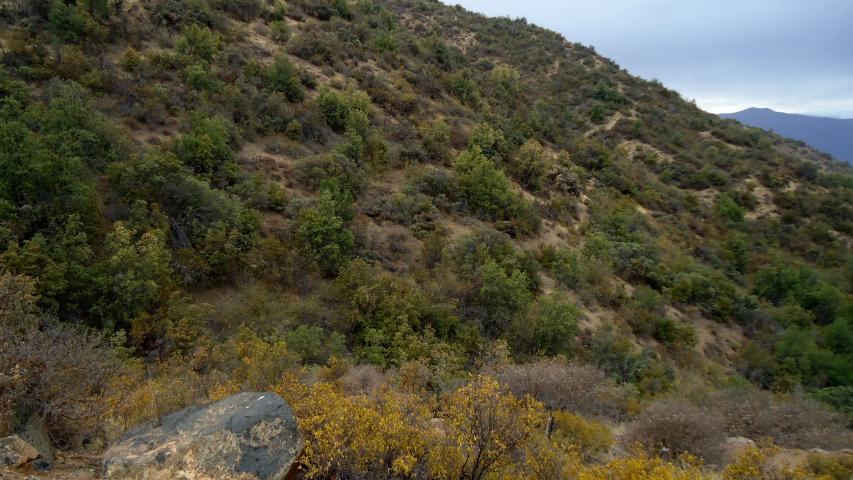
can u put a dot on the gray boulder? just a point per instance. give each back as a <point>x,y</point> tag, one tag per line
<point>245,436</point>
<point>15,452</point>
<point>734,446</point>
<point>35,433</point>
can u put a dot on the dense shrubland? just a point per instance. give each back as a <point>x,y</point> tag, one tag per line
<point>488,244</point>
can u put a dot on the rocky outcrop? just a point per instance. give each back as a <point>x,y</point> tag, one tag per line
<point>15,452</point>
<point>734,446</point>
<point>35,433</point>
<point>246,436</point>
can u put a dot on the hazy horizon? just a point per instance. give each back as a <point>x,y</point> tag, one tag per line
<point>787,113</point>
<point>790,56</point>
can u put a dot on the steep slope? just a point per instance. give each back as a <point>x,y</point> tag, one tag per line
<point>831,135</point>
<point>366,205</point>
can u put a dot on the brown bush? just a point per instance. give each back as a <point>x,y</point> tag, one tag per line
<point>362,379</point>
<point>59,372</point>
<point>671,427</point>
<point>563,385</point>
<point>793,422</point>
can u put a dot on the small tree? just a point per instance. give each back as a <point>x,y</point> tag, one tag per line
<point>491,141</point>
<point>502,294</point>
<point>486,429</point>
<point>484,187</point>
<point>199,42</point>
<point>135,275</point>
<point>322,235</point>
<point>207,147</point>
<point>529,165</point>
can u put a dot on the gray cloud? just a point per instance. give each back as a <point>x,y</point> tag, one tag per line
<point>789,55</point>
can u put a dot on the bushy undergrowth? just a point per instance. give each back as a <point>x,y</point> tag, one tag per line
<point>367,205</point>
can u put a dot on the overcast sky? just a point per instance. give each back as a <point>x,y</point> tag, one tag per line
<point>789,55</point>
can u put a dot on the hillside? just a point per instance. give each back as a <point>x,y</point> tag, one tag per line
<point>831,135</point>
<point>406,218</point>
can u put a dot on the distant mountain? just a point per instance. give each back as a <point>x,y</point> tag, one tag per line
<point>832,135</point>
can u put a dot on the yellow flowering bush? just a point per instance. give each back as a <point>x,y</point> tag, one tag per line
<point>573,431</point>
<point>354,435</point>
<point>641,466</point>
<point>753,463</point>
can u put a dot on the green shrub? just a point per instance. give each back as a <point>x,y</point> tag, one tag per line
<point>547,328</point>
<point>436,183</point>
<point>279,31</point>
<point>392,319</point>
<point>500,281</point>
<point>212,230</point>
<point>464,88</point>
<point>316,47</point>
<point>563,264</point>
<point>728,209</point>
<point>620,358</point>
<point>736,251</point>
<point>331,172</point>
<point>199,42</point>
<point>415,210</point>
<point>341,110</point>
<point>529,166</point>
<point>60,260</point>
<point>333,109</point>
<point>181,13</point>
<point>314,345</point>
<point>487,193</point>
<point>436,140</point>
<point>777,282</point>
<point>282,77</point>
<point>385,42</point>
<point>322,10</point>
<point>782,283</point>
<point>294,130</point>
<point>198,77</point>
<point>591,153</point>
<point>207,148</point>
<point>243,10</point>
<point>135,275</point>
<point>484,187</point>
<point>490,141</point>
<point>258,192</point>
<point>321,234</point>
<point>72,22</point>
<point>674,333</point>
<point>353,146</point>
<point>709,290</point>
<point>499,296</point>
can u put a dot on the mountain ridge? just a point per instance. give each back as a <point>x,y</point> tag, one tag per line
<point>831,135</point>
<point>770,110</point>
